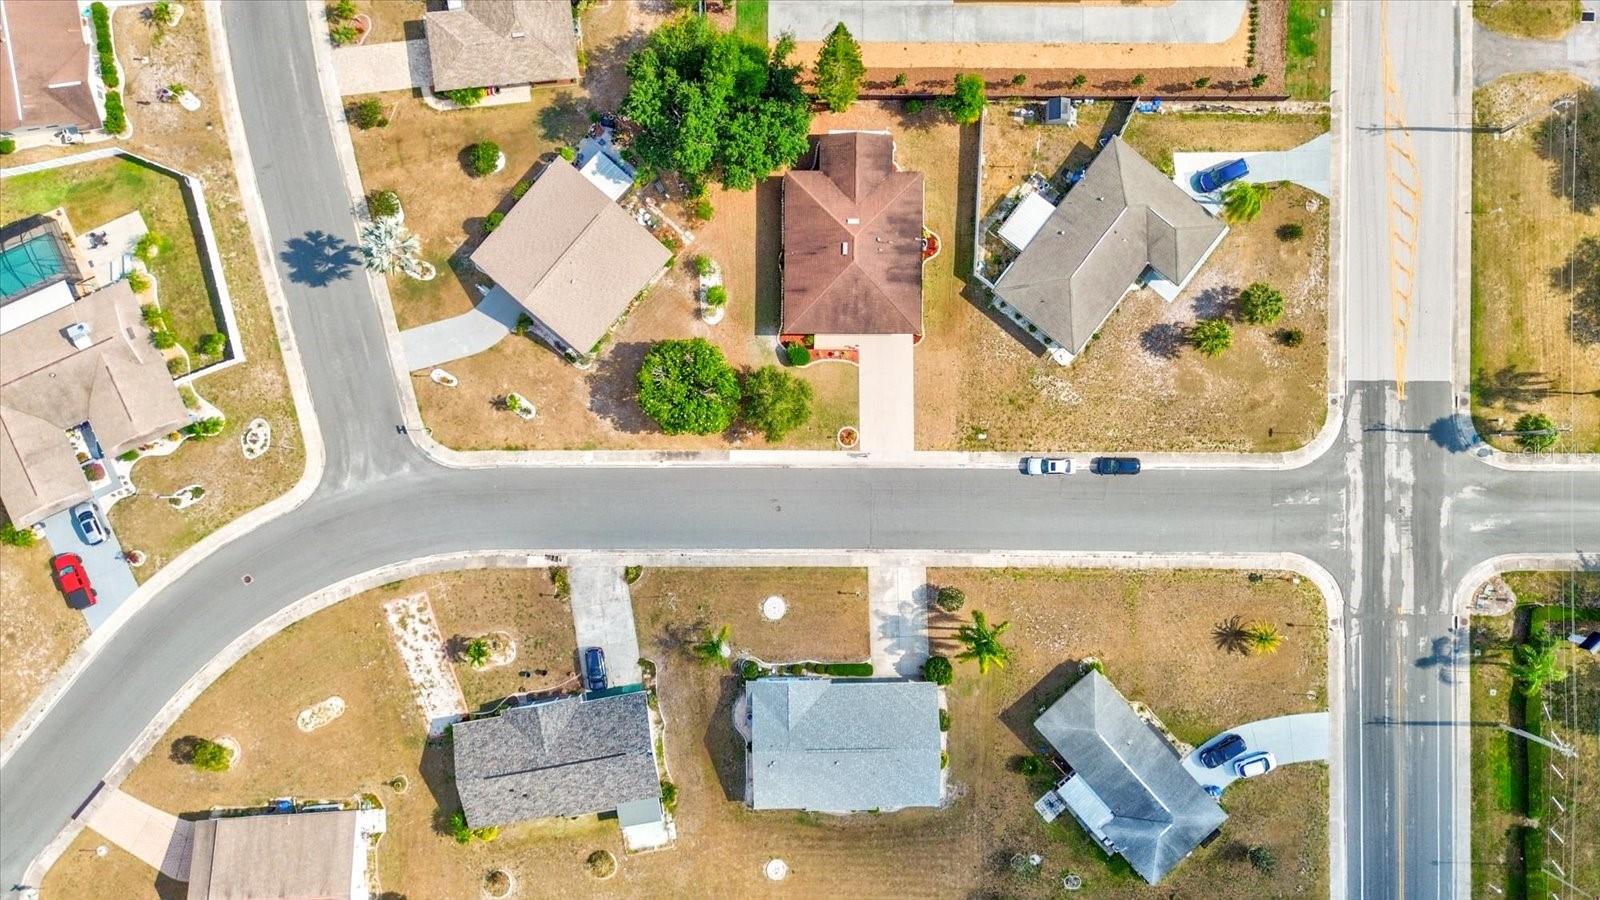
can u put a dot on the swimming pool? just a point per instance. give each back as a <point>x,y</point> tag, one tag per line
<point>30,263</point>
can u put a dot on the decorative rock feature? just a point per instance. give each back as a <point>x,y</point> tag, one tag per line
<point>440,376</point>
<point>134,558</point>
<point>849,438</point>
<point>186,496</point>
<point>773,608</point>
<point>256,439</point>
<point>235,752</point>
<point>313,717</point>
<point>520,405</point>
<point>776,870</point>
<point>498,883</point>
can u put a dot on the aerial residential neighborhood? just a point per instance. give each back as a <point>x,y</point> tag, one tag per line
<point>864,448</point>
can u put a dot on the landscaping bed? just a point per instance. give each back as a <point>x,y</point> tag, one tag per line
<point>1535,321</point>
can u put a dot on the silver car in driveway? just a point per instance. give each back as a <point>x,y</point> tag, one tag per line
<point>86,519</point>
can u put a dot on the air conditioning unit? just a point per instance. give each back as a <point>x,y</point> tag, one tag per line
<point>78,334</point>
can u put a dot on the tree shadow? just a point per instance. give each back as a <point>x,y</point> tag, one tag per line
<point>565,120</point>
<point>1164,340</point>
<point>1454,434</point>
<point>1581,276</point>
<point>182,749</point>
<point>1449,654</point>
<point>723,744</point>
<point>614,388</point>
<point>769,256</point>
<point>1568,139</point>
<point>1216,302</point>
<point>1020,715</point>
<point>317,259</point>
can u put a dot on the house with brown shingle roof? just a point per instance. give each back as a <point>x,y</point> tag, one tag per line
<point>501,43</point>
<point>89,362</point>
<point>571,257</point>
<point>852,240</point>
<point>46,68</point>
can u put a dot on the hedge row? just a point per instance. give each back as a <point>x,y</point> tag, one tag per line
<point>1533,838</point>
<point>844,670</point>
<point>116,119</point>
<point>102,46</point>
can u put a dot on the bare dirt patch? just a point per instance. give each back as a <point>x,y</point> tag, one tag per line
<point>38,631</point>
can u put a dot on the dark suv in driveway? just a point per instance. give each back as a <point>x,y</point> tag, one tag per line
<point>1221,750</point>
<point>594,669</point>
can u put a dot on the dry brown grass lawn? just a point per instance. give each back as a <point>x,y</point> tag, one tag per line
<point>390,18</point>
<point>826,618</point>
<point>1535,346</point>
<point>1527,18</point>
<point>1152,631</point>
<point>519,602</point>
<point>37,629</point>
<point>1139,377</point>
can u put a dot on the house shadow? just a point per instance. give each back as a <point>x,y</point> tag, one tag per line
<point>725,746</point>
<point>439,774</point>
<point>769,256</point>
<point>1020,715</point>
<point>614,388</point>
<point>1078,157</point>
<point>317,258</point>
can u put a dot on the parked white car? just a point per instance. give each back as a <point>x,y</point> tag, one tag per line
<point>1046,465</point>
<point>1252,764</point>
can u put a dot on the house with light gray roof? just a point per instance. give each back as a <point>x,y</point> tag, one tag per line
<point>1126,783</point>
<point>566,757</point>
<point>843,746</point>
<point>1123,225</point>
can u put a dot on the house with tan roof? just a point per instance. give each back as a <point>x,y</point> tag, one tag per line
<point>501,43</point>
<point>89,363</point>
<point>572,258</point>
<point>46,68</point>
<point>1124,225</point>
<point>288,856</point>
<point>852,240</point>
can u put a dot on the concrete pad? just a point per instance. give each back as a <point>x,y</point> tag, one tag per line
<point>887,387</point>
<point>898,607</point>
<point>109,574</point>
<point>390,66</point>
<point>1291,739</point>
<point>602,616</point>
<point>1309,165</point>
<point>113,259</point>
<point>946,21</point>
<point>159,838</point>
<point>461,336</point>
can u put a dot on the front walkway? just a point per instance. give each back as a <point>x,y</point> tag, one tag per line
<point>602,616</point>
<point>461,336</point>
<point>1291,739</point>
<point>887,391</point>
<point>390,66</point>
<point>1309,165</point>
<point>944,21</point>
<point>898,606</point>
<point>159,838</point>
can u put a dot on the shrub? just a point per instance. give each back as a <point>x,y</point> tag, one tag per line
<point>563,585</point>
<point>1019,79</point>
<point>703,265</point>
<point>1079,80</point>
<point>12,536</point>
<point>669,796</point>
<point>485,157</point>
<point>342,35</point>
<point>103,48</point>
<point>1138,80</point>
<point>671,242</point>
<point>177,366</point>
<point>716,295</point>
<point>900,80</point>
<point>150,246</point>
<point>601,864</point>
<point>368,113</point>
<point>1258,79</point>
<point>1261,303</point>
<point>938,670</point>
<point>843,670</point>
<point>116,121</point>
<point>1292,337</point>
<point>520,189</point>
<point>797,354</point>
<point>944,720</point>
<point>966,104</point>
<point>163,340</point>
<point>1202,81</point>
<point>459,829</point>
<point>839,70</point>
<point>211,344</point>
<point>1536,432</point>
<point>210,756</point>
<point>492,221</point>
<point>155,318</point>
<point>383,204</point>
<point>568,154</point>
<point>1211,337</point>
<point>210,427</point>
<point>129,456</point>
<point>1290,231</point>
<point>630,574</point>
<point>94,471</point>
<point>138,282</point>
<point>750,670</point>
<point>1263,859</point>
<point>703,210</point>
<point>343,11</point>
<point>944,760</point>
<point>914,107</point>
<point>1032,766</point>
<point>524,322</point>
<point>774,402</point>
<point>7,146</point>
<point>950,599</point>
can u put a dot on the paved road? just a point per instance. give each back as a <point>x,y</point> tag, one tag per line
<point>1495,54</point>
<point>1390,511</point>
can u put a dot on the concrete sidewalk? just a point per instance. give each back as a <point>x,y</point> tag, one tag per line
<point>159,838</point>
<point>1309,165</point>
<point>898,609</point>
<point>461,336</point>
<point>946,21</point>
<point>1291,739</point>
<point>602,616</point>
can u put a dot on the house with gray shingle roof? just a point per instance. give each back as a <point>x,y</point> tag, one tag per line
<point>1122,226</point>
<point>565,757</point>
<point>1126,784</point>
<point>843,746</point>
<point>501,43</point>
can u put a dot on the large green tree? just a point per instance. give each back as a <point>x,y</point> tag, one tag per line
<point>839,69</point>
<point>1534,664</point>
<point>1536,432</point>
<point>982,641</point>
<point>966,104</point>
<point>687,387</point>
<point>775,402</point>
<point>712,105</point>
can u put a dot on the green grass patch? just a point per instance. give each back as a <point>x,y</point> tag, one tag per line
<point>1308,49</point>
<point>94,194</point>
<point>750,21</point>
<point>1527,18</point>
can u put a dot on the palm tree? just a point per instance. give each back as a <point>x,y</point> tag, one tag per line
<point>1535,664</point>
<point>715,647</point>
<point>983,643</point>
<point>1241,202</point>
<point>1231,635</point>
<point>1264,637</point>
<point>391,248</point>
<point>1211,336</point>
<point>478,652</point>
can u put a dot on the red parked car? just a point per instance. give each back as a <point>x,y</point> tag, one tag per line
<point>73,581</point>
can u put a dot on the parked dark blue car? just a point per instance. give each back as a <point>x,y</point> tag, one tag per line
<point>594,669</point>
<point>1220,175</point>
<point>1114,465</point>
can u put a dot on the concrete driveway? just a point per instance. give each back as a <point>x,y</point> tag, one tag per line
<point>886,386</point>
<point>390,66</point>
<point>1495,54</point>
<point>159,838</point>
<point>1309,165</point>
<point>461,336</point>
<point>1291,739</point>
<point>109,573</point>
<point>897,603</point>
<point>602,616</point>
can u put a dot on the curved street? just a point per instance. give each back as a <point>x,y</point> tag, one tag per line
<point>1397,511</point>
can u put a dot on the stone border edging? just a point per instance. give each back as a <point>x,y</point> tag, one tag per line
<point>1333,604</point>
<point>299,389</point>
